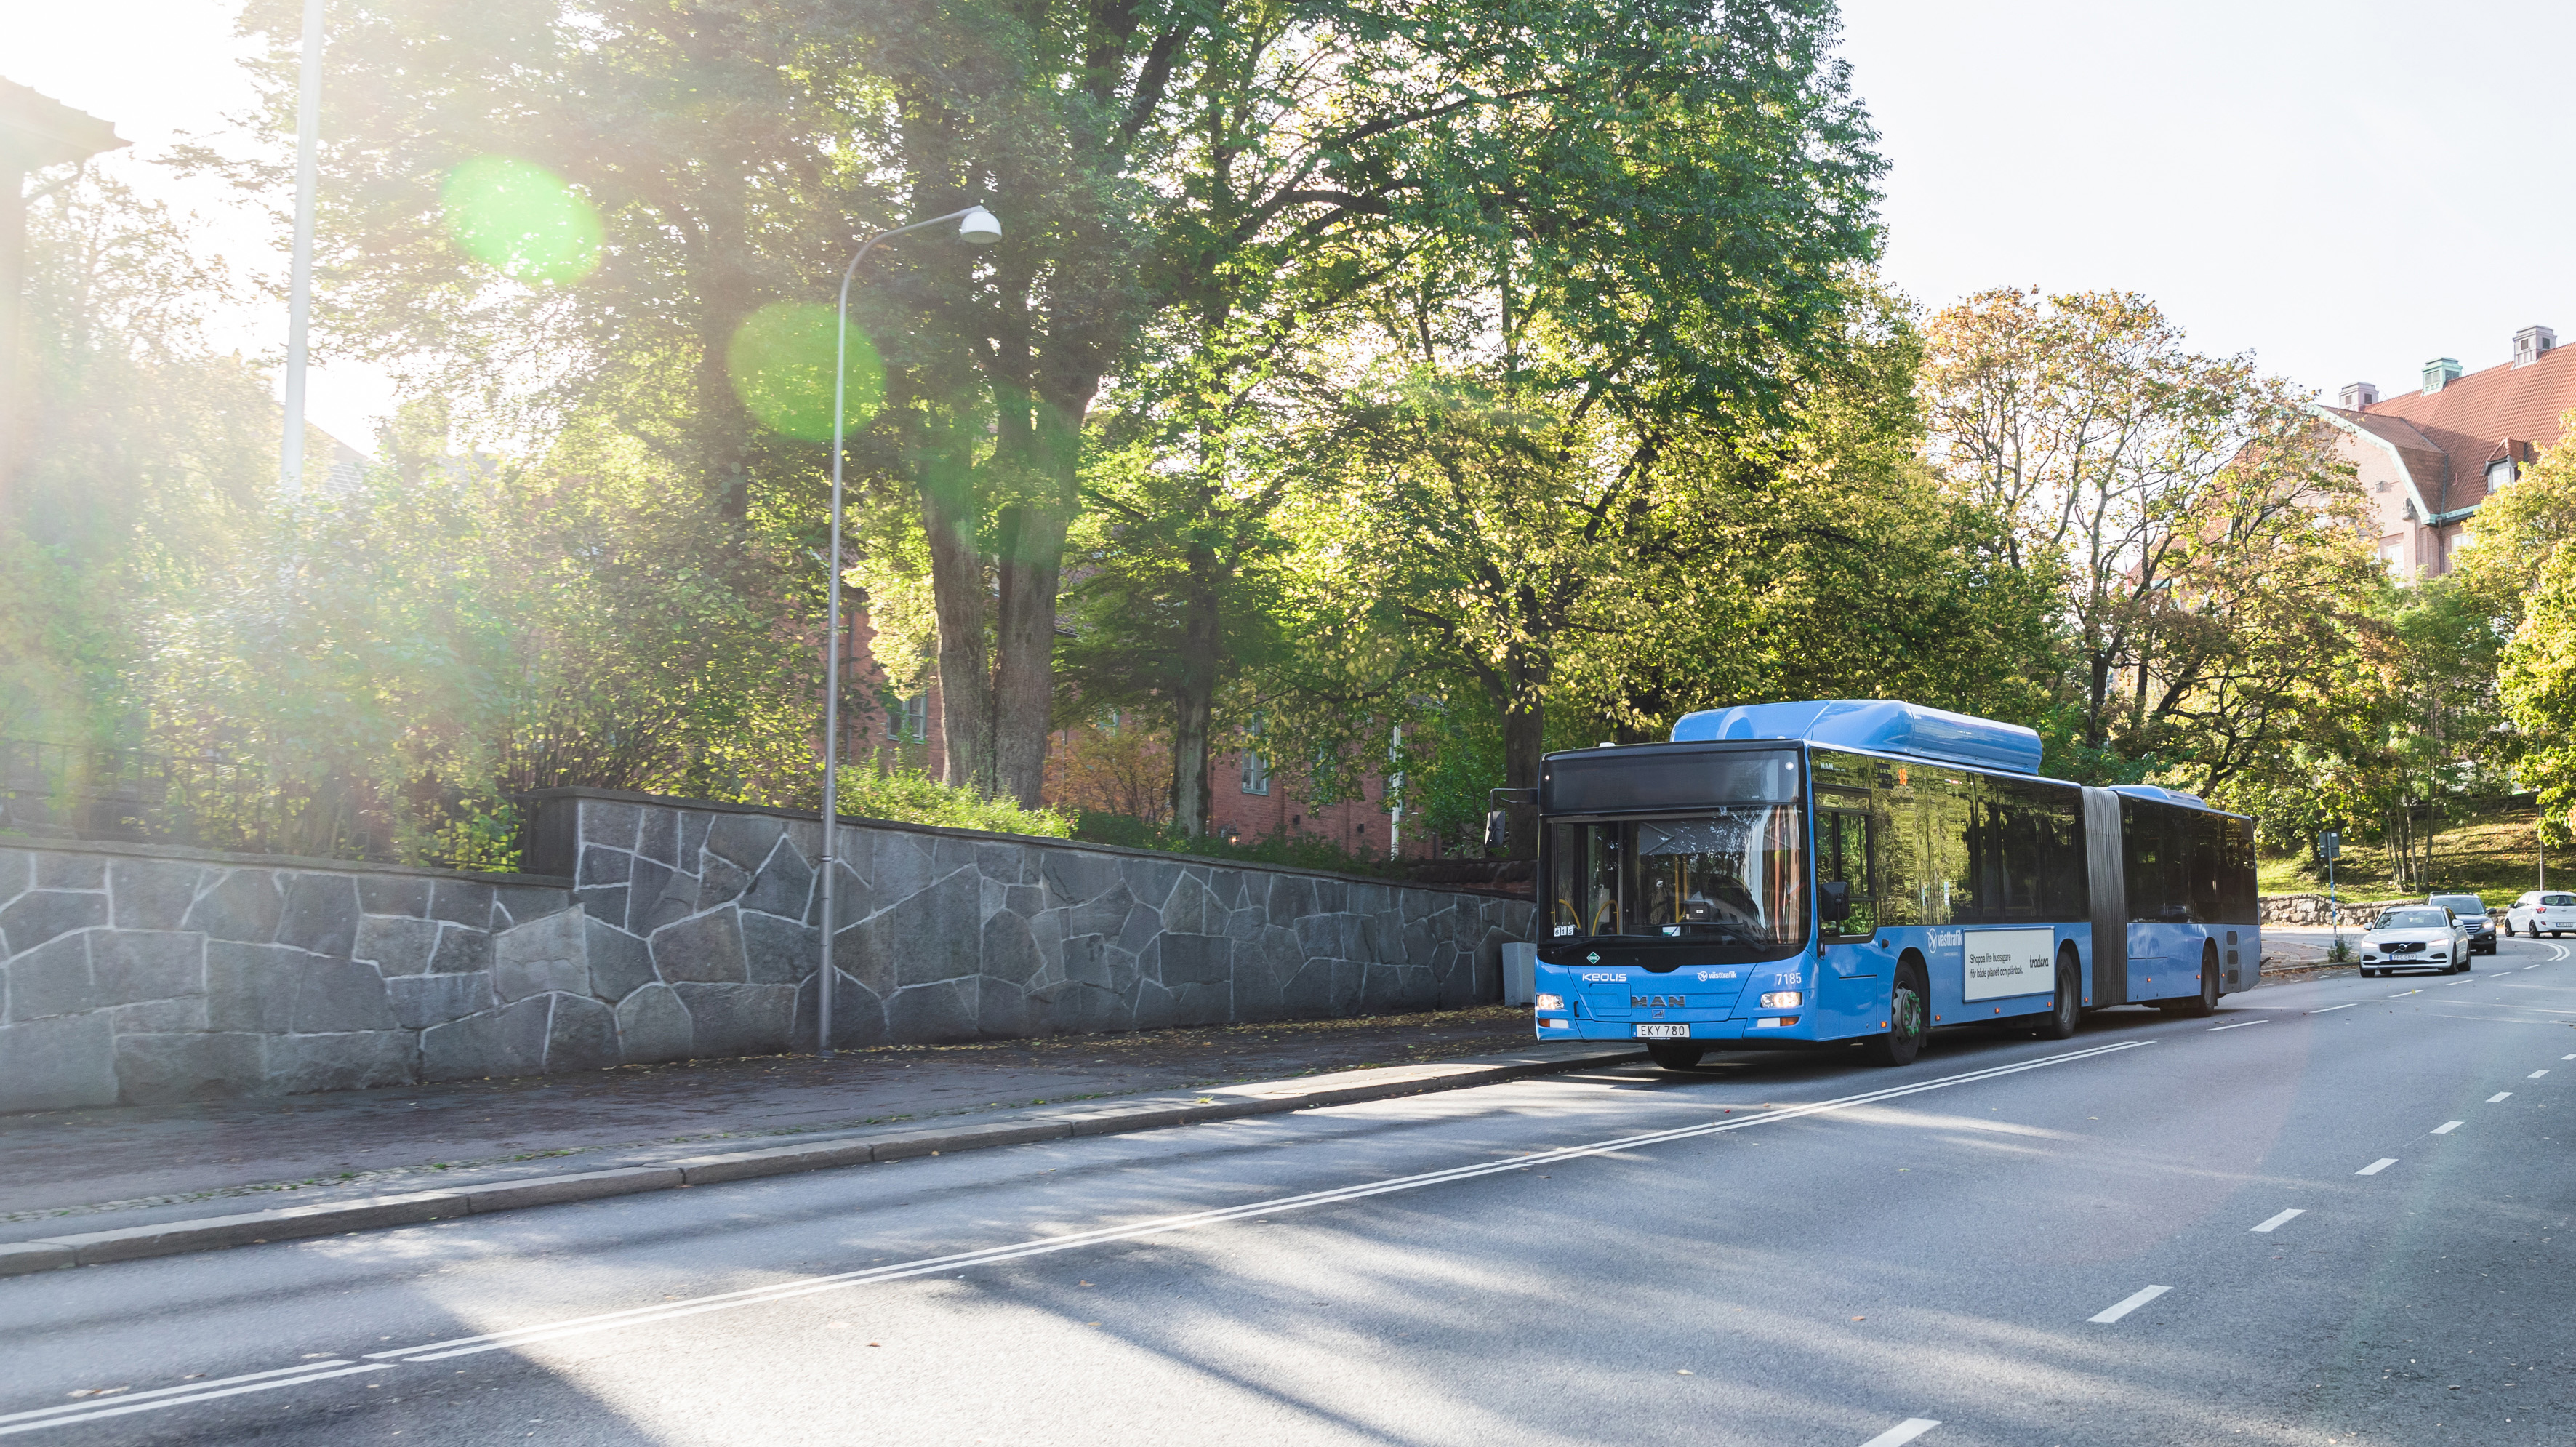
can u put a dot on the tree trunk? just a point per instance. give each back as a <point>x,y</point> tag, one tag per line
<point>1194,701</point>
<point>959,600</point>
<point>1524,741</point>
<point>1048,448</point>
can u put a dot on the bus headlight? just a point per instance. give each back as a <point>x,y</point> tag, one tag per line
<point>1547,1002</point>
<point>1782,1000</point>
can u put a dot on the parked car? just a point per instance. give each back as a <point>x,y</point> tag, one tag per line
<point>2473,917</point>
<point>2417,937</point>
<point>2541,912</point>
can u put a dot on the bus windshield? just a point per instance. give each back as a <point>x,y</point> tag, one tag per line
<point>1730,877</point>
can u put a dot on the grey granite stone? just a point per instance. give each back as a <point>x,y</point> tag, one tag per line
<point>707,949</point>
<point>420,1001</point>
<point>619,962</point>
<point>53,979</point>
<point>743,840</point>
<point>644,887</point>
<point>56,869</point>
<point>17,873</point>
<point>43,914</point>
<point>785,885</point>
<point>152,1017</point>
<point>777,951</point>
<point>693,833</point>
<point>251,987</point>
<point>603,902</point>
<point>858,1016</point>
<point>1189,906</point>
<point>461,902</point>
<point>1073,876</point>
<point>132,965</point>
<point>653,1025</point>
<point>545,955</point>
<point>604,866</point>
<point>1003,863</point>
<point>940,1014</point>
<point>508,1041</point>
<point>932,935</point>
<point>723,882</point>
<point>398,894</point>
<point>150,893</point>
<point>57,1064</point>
<point>657,837</point>
<point>333,995</point>
<point>900,865</point>
<point>1196,959</point>
<point>582,1035</point>
<point>738,1019</point>
<point>321,913</point>
<point>676,901</point>
<point>1005,1012</point>
<point>396,944</point>
<point>163,1069</point>
<point>1009,954</point>
<point>528,903</point>
<point>610,823</point>
<point>357,1060</point>
<point>461,950</point>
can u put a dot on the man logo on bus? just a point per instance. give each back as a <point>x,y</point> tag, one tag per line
<point>1654,1002</point>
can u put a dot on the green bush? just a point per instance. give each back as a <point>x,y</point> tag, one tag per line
<point>917,798</point>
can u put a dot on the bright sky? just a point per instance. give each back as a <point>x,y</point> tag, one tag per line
<point>2344,189</point>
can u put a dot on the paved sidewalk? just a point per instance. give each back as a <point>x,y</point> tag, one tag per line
<point>123,1166</point>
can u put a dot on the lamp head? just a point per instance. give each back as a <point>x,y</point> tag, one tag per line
<point>979,227</point>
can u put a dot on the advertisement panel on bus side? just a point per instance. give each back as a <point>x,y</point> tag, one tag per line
<point>2004,962</point>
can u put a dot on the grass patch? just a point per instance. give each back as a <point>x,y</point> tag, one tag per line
<point>2493,855</point>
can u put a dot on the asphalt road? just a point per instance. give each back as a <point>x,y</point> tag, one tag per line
<point>2335,1214</point>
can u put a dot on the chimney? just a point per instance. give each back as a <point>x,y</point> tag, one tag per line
<point>2530,342</point>
<point>2440,373</point>
<point>2357,395</point>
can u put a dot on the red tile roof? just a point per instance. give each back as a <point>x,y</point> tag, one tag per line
<point>2469,422</point>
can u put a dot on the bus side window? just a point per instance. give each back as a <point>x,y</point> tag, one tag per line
<point>1843,840</point>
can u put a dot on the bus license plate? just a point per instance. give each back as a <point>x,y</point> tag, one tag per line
<point>1663,1032</point>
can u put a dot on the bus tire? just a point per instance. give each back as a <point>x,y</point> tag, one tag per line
<point>2204,1004</point>
<point>2068,1008</point>
<point>1674,1054</point>
<point>1908,1018</point>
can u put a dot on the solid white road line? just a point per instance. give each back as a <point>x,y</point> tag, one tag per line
<point>2499,1095</point>
<point>2375,1167</point>
<point>2567,1057</point>
<point>2535,1075</point>
<point>1047,1245</point>
<point>2284,1219</point>
<point>1902,1433</point>
<point>126,1407</point>
<point>2239,1025</point>
<point>2448,1126</point>
<point>2346,1005</point>
<point>2130,1305</point>
<point>123,1398</point>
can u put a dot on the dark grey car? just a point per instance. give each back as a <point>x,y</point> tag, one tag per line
<point>2473,918</point>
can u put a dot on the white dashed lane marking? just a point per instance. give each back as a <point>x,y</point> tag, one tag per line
<point>2535,1075</point>
<point>2492,1099</point>
<point>1903,1432</point>
<point>2140,1299</point>
<point>2448,1126</point>
<point>2239,1025</point>
<point>2375,1167</point>
<point>2284,1219</point>
<point>2346,1005</point>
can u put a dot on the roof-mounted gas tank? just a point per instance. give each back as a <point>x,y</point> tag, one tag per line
<point>1880,725</point>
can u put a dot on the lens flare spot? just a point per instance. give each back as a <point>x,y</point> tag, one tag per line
<point>781,363</point>
<point>520,219</point>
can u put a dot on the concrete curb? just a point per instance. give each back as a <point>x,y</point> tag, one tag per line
<point>259,1228</point>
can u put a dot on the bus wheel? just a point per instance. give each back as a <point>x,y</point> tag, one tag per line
<point>2067,1008</point>
<point>1907,1014</point>
<point>1673,1054</point>
<point>2205,1003</point>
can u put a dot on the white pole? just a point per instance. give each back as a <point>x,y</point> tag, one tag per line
<point>308,138</point>
<point>832,641</point>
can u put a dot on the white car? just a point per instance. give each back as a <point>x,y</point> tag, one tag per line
<point>2541,912</point>
<point>2418,937</point>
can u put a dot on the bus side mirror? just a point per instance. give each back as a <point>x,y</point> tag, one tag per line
<point>1498,830</point>
<point>1833,901</point>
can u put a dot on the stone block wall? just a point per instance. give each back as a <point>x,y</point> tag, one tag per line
<point>950,935</point>
<point>668,929</point>
<point>2316,909</point>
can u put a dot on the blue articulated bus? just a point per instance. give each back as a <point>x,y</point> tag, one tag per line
<point>1803,874</point>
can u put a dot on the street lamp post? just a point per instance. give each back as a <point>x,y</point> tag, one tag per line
<point>976,227</point>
